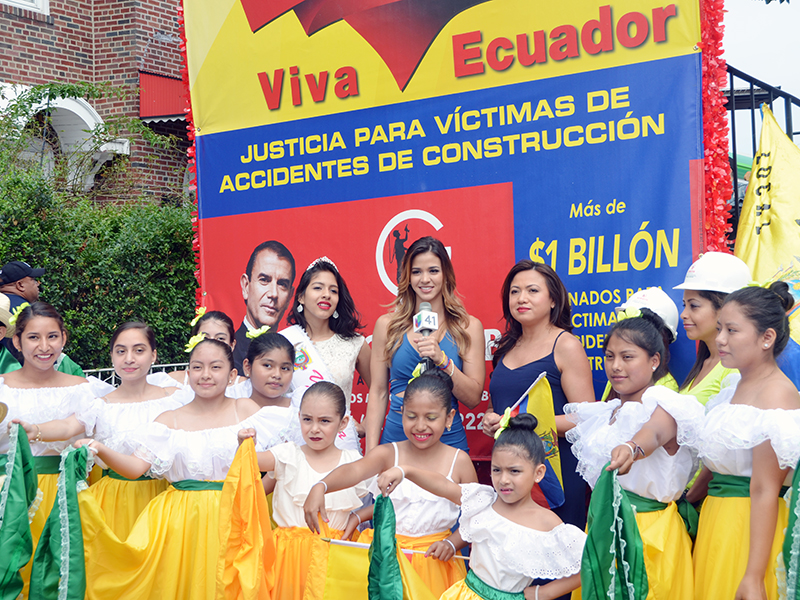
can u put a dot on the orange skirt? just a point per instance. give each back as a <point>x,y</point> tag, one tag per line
<point>294,547</point>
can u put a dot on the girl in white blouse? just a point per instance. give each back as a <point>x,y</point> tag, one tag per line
<point>514,540</point>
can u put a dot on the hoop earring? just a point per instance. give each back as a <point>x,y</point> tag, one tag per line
<point>336,314</point>
<point>299,308</point>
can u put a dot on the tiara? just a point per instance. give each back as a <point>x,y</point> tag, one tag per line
<point>322,259</point>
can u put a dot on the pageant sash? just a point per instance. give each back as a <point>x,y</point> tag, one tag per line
<point>308,364</point>
<point>18,499</point>
<point>59,570</point>
<point>195,485</point>
<point>487,592</point>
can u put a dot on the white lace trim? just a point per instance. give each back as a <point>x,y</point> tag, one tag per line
<point>794,557</point>
<point>537,554</point>
<point>34,507</point>
<point>61,498</point>
<point>13,434</point>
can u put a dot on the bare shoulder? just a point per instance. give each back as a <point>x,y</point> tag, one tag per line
<point>475,326</point>
<point>382,322</point>
<point>547,520</point>
<point>167,417</point>
<point>246,407</point>
<point>178,376</point>
<point>569,347</point>
<point>464,470</point>
<point>778,393</point>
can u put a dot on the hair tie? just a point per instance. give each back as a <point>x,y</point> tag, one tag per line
<point>253,334</point>
<point>503,424</point>
<point>416,372</point>
<point>12,321</point>
<point>193,341</point>
<point>322,259</point>
<point>199,312</point>
<point>763,284</point>
<point>629,313</point>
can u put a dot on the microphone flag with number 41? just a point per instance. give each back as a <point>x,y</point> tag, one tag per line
<point>538,401</point>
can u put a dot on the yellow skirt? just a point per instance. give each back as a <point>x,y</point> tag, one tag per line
<point>294,547</point>
<point>437,575</point>
<point>459,591</point>
<point>667,555</point>
<point>123,501</point>
<point>47,485</point>
<point>722,548</point>
<point>171,552</point>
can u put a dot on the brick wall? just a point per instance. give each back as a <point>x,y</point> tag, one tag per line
<point>102,41</point>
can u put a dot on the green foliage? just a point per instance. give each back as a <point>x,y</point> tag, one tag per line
<point>105,263</point>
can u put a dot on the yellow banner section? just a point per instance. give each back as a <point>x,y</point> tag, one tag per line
<point>249,66</point>
<point>768,238</point>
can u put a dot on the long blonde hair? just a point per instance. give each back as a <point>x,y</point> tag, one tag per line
<point>455,315</point>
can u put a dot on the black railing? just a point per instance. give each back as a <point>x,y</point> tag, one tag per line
<point>750,98</point>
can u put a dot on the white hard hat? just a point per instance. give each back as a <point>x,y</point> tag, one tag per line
<point>5,314</point>
<point>716,272</point>
<point>659,302</point>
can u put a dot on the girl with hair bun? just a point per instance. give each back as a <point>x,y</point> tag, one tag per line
<point>517,545</point>
<point>37,393</point>
<point>324,330</point>
<point>423,520</point>
<point>607,431</point>
<point>748,440</point>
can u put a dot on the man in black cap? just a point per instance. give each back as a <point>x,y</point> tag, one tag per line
<point>20,282</point>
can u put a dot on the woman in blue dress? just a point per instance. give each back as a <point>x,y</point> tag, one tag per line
<point>456,347</point>
<point>538,338</point>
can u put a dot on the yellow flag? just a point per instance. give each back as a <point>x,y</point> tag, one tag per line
<point>768,239</point>
<point>540,404</point>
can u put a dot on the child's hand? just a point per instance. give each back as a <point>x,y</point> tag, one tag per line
<point>94,445</point>
<point>390,479</point>
<point>30,430</point>
<point>621,458</point>
<point>314,507</point>
<point>245,434</point>
<point>353,521</point>
<point>441,550</point>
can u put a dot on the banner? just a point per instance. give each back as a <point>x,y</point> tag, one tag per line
<point>566,133</point>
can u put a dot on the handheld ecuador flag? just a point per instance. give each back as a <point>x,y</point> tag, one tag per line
<point>245,570</point>
<point>768,238</point>
<point>538,401</point>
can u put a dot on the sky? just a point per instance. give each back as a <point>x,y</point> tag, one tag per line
<point>762,40</point>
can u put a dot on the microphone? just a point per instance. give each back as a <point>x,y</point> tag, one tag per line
<point>426,321</point>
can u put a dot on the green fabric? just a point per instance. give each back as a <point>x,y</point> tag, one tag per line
<point>384,581</point>
<point>194,485</point>
<point>686,511</point>
<point>66,365</point>
<point>7,362</point>
<point>114,475</point>
<point>644,505</point>
<point>612,565</point>
<point>729,486</point>
<point>19,489</point>
<point>487,592</point>
<point>51,576</point>
<point>791,542</point>
<point>47,465</point>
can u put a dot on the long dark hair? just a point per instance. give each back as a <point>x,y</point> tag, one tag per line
<point>143,327</point>
<point>644,332</point>
<point>348,322</point>
<point>219,317</point>
<point>767,308</point>
<point>560,314</point>
<point>37,309</point>
<point>267,342</point>
<point>716,299</point>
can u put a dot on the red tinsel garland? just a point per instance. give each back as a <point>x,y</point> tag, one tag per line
<point>717,169</point>
<point>191,154</point>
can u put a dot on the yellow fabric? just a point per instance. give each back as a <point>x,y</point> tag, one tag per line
<point>171,552</point>
<point>436,574</point>
<point>123,501</point>
<point>668,381</point>
<point>709,386</point>
<point>246,567</point>
<point>47,485</point>
<point>295,548</point>
<point>95,475</point>
<point>540,403</point>
<point>722,547</point>
<point>667,555</point>
<point>337,573</point>
<point>459,591</point>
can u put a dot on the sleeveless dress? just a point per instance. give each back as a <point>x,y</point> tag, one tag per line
<point>506,556</point>
<point>725,439</point>
<point>39,405</point>
<point>174,547</point>
<point>658,477</point>
<point>506,387</point>
<point>404,361</point>
<point>296,546</point>
<point>422,519</point>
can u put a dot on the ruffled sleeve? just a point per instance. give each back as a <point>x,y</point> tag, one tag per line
<point>685,409</point>
<point>99,388</point>
<point>154,444</point>
<point>90,411</point>
<point>475,498</point>
<point>275,425</point>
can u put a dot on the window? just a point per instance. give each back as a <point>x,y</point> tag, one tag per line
<point>40,6</point>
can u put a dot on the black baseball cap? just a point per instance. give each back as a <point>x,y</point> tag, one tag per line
<point>16,270</point>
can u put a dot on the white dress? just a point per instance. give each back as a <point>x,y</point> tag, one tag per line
<point>659,476</point>
<point>417,511</point>
<point>509,556</point>
<point>294,478</point>
<point>40,405</point>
